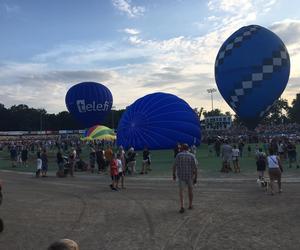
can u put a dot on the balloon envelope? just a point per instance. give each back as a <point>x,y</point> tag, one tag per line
<point>251,71</point>
<point>99,132</point>
<point>89,102</point>
<point>158,121</point>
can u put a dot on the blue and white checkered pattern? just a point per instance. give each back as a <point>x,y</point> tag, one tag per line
<point>264,72</point>
<point>235,43</point>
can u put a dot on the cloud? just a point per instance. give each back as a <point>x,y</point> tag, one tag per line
<point>135,66</point>
<point>288,30</point>
<point>232,14</point>
<point>126,6</point>
<point>131,31</point>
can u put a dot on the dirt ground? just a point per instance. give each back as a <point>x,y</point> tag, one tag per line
<point>229,213</point>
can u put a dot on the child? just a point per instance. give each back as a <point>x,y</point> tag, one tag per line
<point>38,165</point>
<point>114,173</point>
<point>120,170</point>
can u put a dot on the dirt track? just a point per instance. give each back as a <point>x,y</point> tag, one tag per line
<point>227,214</point>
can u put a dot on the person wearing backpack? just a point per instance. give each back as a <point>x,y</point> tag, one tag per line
<point>261,163</point>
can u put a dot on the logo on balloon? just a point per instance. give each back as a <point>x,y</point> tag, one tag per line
<point>91,107</point>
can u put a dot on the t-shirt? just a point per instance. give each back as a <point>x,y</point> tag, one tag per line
<point>39,163</point>
<point>114,168</point>
<point>235,153</point>
<point>185,164</point>
<point>120,166</point>
<point>226,152</point>
<point>273,162</point>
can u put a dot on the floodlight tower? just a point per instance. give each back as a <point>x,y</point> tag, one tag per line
<point>211,91</point>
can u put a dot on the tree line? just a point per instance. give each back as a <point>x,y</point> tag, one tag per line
<point>280,113</point>
<point>22,117</point>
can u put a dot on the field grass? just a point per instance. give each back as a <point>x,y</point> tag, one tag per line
<point>162,161</point>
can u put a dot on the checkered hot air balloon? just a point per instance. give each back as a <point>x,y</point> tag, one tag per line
<point>251,71</point>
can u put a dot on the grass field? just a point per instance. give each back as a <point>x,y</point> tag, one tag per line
<point>162,161</point>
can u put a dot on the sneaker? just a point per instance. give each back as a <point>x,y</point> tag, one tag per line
<point>181,210</point>
<point>114,189</point>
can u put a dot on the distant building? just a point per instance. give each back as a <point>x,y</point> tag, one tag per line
<point>221,122</point>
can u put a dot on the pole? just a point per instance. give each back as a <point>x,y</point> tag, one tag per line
<point>211,91</point>
<point>41,121</point>
<point>112,116</point>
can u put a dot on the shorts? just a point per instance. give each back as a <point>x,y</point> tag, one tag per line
<point>235,159</point>
<point>183,183</point>
<point>121,175</point>
<point>45,167</point>
<point>115,177</point>
<point>275,174</point>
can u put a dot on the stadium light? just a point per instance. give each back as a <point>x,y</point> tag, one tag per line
<point>211,91</point>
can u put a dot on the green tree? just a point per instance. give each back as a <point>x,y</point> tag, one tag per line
<point>214,112</point>
<point>294,112</point>
<point>278,114</point>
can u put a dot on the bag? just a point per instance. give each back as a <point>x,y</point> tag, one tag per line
<point>281,168</point>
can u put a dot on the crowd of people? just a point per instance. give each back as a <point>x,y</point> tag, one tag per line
<point>103,157</point>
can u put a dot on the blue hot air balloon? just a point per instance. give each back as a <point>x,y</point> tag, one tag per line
<point>158,121</point>
<point>251,70</point>
<point>89,102</point>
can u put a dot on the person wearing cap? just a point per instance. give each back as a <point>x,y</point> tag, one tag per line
<point>64,244</point>
<point>131,159</point>
<point>185,169</point>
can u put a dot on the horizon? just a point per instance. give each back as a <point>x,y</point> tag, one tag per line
<point>138,46</point>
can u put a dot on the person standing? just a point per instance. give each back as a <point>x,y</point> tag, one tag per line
<point>185,169</point>
<point>120,171</point>
<point>275,169</point>
<point>292,154</point>
<point>39,164</point>
<point>13,156</point>
<point>177,149</point>
<point>44,158</point>
<point>131,159</point>
<point>235,159</point>
<point>146,161</point>
<point>108,155</point>
<point>72,162</point>
<point>92,159</point>
<point>217,147</point>
<point>100,160</point>
<point>261,164</point>
<point>60,163</point>
<point>24,155</point>
<point>226,153</point>
<point>114,173</point>
<point>241,147</point>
